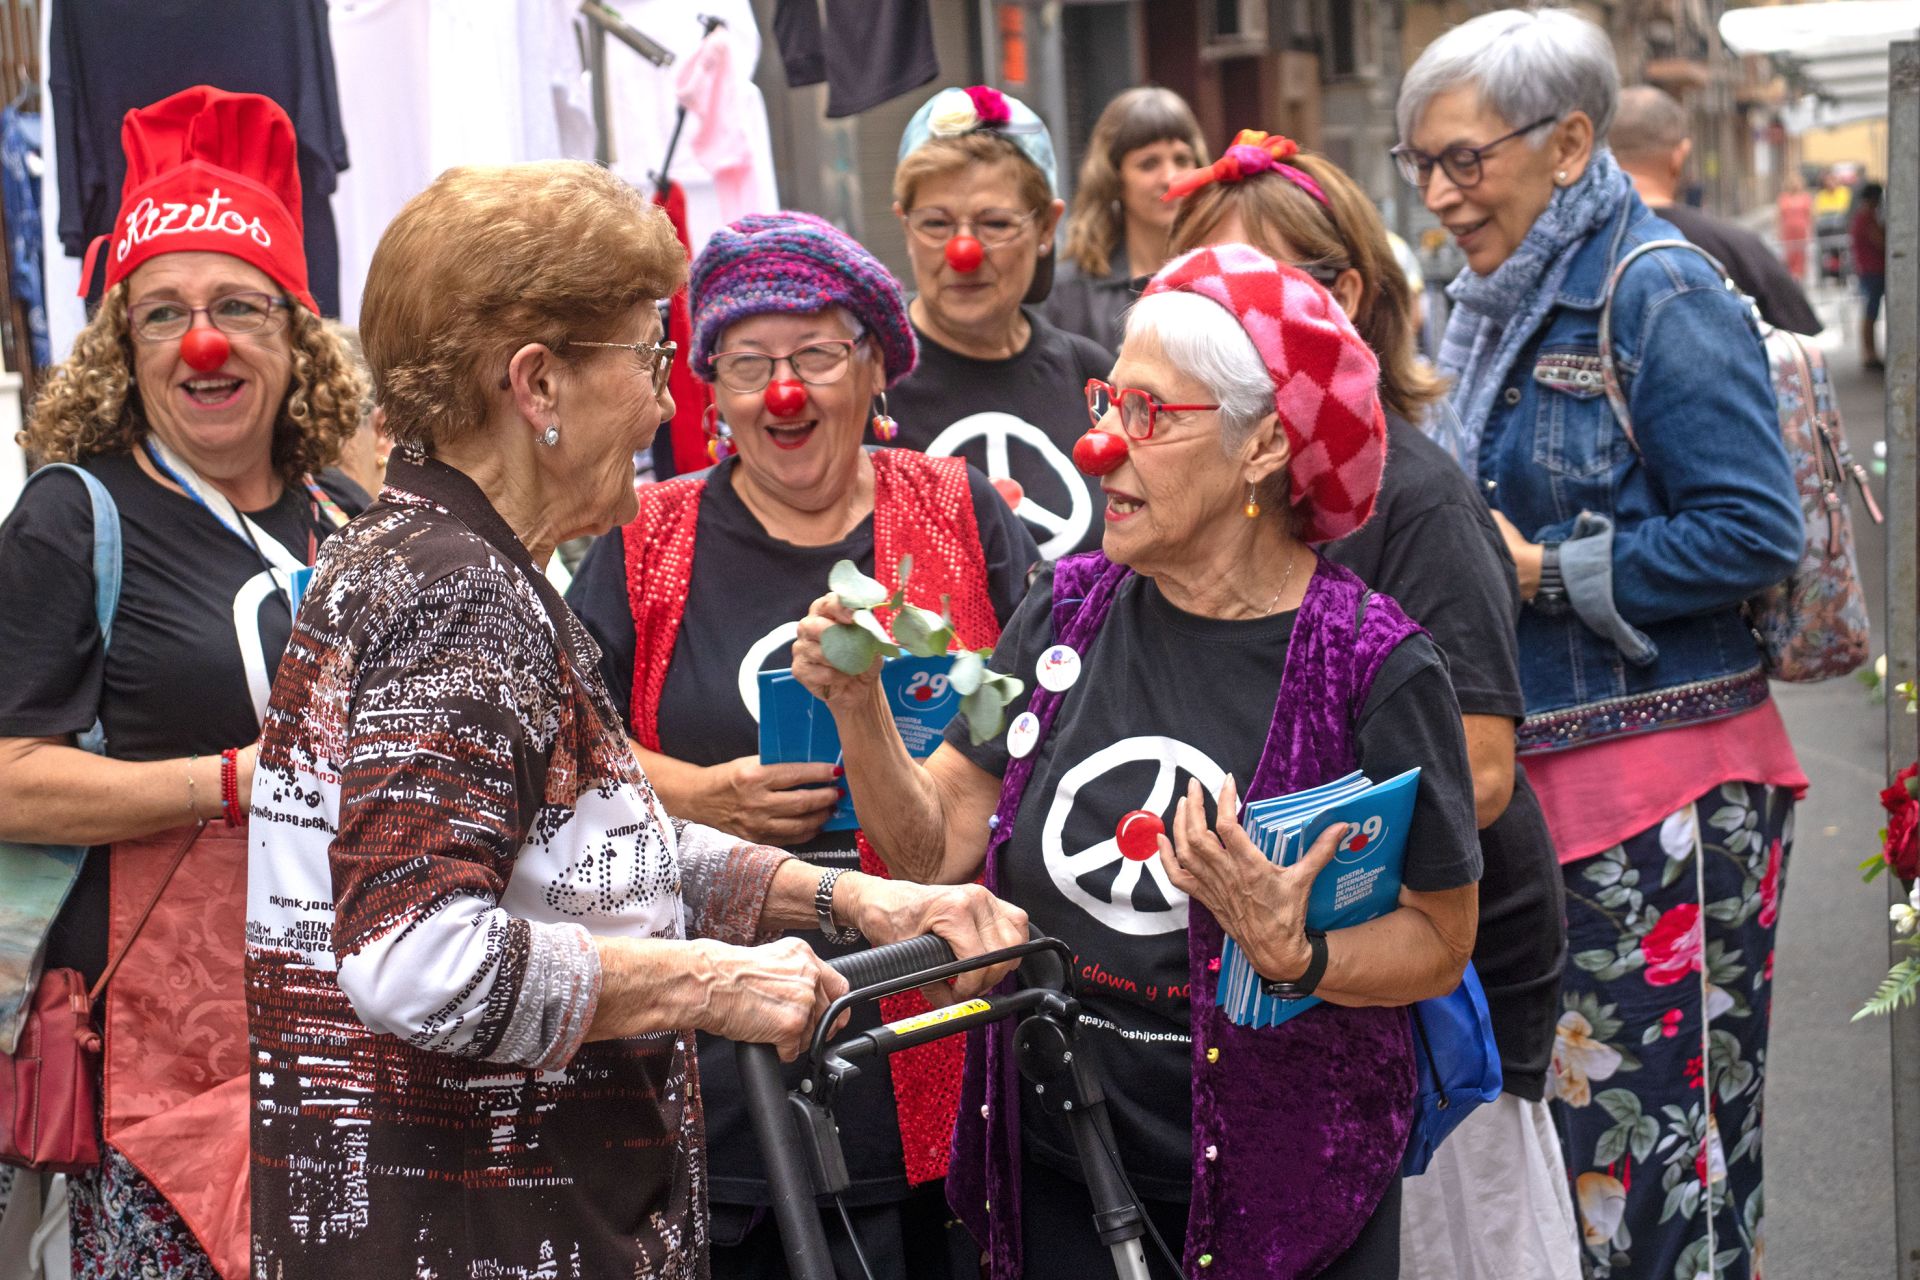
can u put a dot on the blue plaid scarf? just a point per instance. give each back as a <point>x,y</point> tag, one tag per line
<point>1495,315</point>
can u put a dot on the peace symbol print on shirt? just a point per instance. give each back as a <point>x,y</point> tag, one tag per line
<point>756,658</point>
<point>998,432</point>
<point>1100,879</point>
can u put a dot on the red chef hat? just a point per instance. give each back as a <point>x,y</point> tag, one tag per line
<point>213,171</point>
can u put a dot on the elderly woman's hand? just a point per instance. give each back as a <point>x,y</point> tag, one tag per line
<point>972,921</point>
<point>774,994</point>
<point>776,804</point>
<point>1263,907</point>
<point>810,666</point>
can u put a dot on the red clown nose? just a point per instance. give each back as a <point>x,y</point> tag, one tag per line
<point>1099,452</point>
<point>205,349</point>
<point>965,254</point>
<point>785,397</point>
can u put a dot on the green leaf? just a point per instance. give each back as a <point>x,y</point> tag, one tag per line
<point>986,713</point>
<point>899,596</point>
<point>869,621</point>
<point>969,669</point>
<point>921,632</point>
<point>1872,867</point>
<point>1594,961</point>
<point>850,649</point>
<point>1612,1144</point>
<point>855,589</point>
<point>1621,1104</point>
<point>1644,1134</point>
<point>1896,990</point>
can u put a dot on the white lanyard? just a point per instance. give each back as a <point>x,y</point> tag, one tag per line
<point>281,563</point>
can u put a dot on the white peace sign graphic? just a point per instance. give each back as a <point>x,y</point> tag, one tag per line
<point>996,429</point>
<point>1116,909</point>
<point>757,655</point>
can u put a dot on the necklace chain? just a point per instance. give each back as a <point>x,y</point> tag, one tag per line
<point>1284,581</point>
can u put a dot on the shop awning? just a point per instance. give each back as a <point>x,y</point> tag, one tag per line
<point>1835,52</point>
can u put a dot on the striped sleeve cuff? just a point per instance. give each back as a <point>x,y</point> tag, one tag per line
<point>724,881</point>
<point>559,992</point>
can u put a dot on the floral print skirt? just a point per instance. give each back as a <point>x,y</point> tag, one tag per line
<point>1660,1057</point>
<point>121,1226</point>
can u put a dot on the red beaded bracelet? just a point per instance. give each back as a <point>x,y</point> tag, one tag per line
<point>230,785</point>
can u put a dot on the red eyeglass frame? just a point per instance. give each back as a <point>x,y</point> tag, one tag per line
<point>1115,397</point>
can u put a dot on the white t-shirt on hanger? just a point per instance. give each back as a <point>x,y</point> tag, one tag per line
<point>643,107</point>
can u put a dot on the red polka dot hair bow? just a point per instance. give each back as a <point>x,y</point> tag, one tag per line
<point>1253,152</point>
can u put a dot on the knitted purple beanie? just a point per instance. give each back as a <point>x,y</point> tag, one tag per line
<point>794,263</point>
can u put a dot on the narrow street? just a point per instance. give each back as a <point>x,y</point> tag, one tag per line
<point>1829,1145</point>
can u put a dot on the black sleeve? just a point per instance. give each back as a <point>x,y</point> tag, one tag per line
<point>1471,605</point>
<point>1009,548</point>
<point>1026,635</point>
<point>1411,720</point>
<point>599,596</point>
<point>69,131</point>
<point>55,663</point>
<point>1782,304</point>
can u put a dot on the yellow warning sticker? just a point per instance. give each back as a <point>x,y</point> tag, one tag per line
<point>934,1017</point>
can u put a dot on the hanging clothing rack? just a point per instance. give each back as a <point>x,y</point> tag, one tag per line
<point>661,181</point>
<point>601,21</point>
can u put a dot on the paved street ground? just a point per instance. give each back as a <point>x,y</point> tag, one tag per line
<point>1829,1154</point>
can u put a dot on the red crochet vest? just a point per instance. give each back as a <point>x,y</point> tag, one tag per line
<point>921,507</point>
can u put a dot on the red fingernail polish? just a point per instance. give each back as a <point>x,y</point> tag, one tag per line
<point>839,772</point>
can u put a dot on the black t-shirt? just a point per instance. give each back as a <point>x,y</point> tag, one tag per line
<point>748,593</point>
<point>1014,419</point>
<point>1164,696</point>
<point>1754,267</point>
<point>1433,547</point>
<point>197,636</point>
<point>111,56</point>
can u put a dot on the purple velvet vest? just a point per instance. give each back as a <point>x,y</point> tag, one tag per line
<point>1298,1130</point>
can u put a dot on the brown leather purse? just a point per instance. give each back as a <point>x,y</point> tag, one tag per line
<point>49,1084</point>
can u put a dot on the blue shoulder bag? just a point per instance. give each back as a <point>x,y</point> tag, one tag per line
<point>1458,1064</point>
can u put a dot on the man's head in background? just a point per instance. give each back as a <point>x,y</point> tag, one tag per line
<point>1649,138</point>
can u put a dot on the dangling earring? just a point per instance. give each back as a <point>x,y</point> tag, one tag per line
<point>551,436</point>
<point>1252,508</point>
<point>719,435</point>
<point>884,427</point>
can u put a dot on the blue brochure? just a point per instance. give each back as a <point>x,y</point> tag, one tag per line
<point>1361,883</point>
<point>796,727</point>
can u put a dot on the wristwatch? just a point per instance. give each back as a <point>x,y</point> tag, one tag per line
<point>823,907</point>
<point>1551,595</point>
<point>1303,986</point>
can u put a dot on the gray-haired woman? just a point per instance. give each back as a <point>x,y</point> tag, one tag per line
<point>1663,767</point>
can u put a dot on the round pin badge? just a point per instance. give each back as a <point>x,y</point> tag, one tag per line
<point>1023,735</point>
<point>1058,668</point>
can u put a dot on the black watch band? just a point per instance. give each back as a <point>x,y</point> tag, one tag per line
<point>1304,985</point>
<point>823,907</point>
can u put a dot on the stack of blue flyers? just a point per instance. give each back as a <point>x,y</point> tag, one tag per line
<point>796,727</point>
<point>1361,883</point>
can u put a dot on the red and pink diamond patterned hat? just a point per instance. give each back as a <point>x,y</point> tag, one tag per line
<point>1325,378</point>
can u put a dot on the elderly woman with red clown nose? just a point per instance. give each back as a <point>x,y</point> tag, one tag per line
<point>194,416</point>
<point>1207,653</point>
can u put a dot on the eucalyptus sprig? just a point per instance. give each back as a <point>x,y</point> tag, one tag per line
<point>852,647</point>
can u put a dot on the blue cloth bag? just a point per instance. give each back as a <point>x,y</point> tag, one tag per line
<point>1459,1066</point>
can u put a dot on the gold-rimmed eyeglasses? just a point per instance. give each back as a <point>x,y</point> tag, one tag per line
<point>655,357</point>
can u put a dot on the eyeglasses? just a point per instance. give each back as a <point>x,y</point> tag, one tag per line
<point>656,357</point>
<point>1138,409</point>
<point>993,228</point>
<point>231,313</point>
<point>815,364</point>
<point>1462,164</point>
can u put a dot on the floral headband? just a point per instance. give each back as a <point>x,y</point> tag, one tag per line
<point>952,113</point>
<point>1252,152</point>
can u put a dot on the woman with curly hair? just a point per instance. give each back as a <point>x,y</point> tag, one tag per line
<point>194,415</point>
<point>1119,227</point>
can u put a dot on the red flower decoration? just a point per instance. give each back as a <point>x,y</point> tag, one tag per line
<point>1902,848</point>
<point>1674,947</point>
<point>989,104</point>
<point>1770,889</point>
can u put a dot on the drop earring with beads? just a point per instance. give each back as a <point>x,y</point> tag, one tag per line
<point>885,429</point>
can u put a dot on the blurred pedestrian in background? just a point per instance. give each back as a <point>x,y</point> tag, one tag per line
<point>1867,239</point>
<point>1118,227</point>
<point>1794,224</point>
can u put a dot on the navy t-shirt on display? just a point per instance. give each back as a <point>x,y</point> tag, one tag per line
<point>747,596</point>
<point>1164,696</point>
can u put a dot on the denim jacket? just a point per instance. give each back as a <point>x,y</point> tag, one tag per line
<point>1660,546</point>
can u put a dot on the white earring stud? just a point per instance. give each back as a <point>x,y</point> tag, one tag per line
<point>551,436</point>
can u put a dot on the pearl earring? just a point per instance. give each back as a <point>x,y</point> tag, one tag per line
<point>1561,177</point>
<point>1253,503</point>
<point>551,436</point>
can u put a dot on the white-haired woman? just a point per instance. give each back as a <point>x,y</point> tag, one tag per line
<point>1211,644</point>
<point>1664,769</point>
